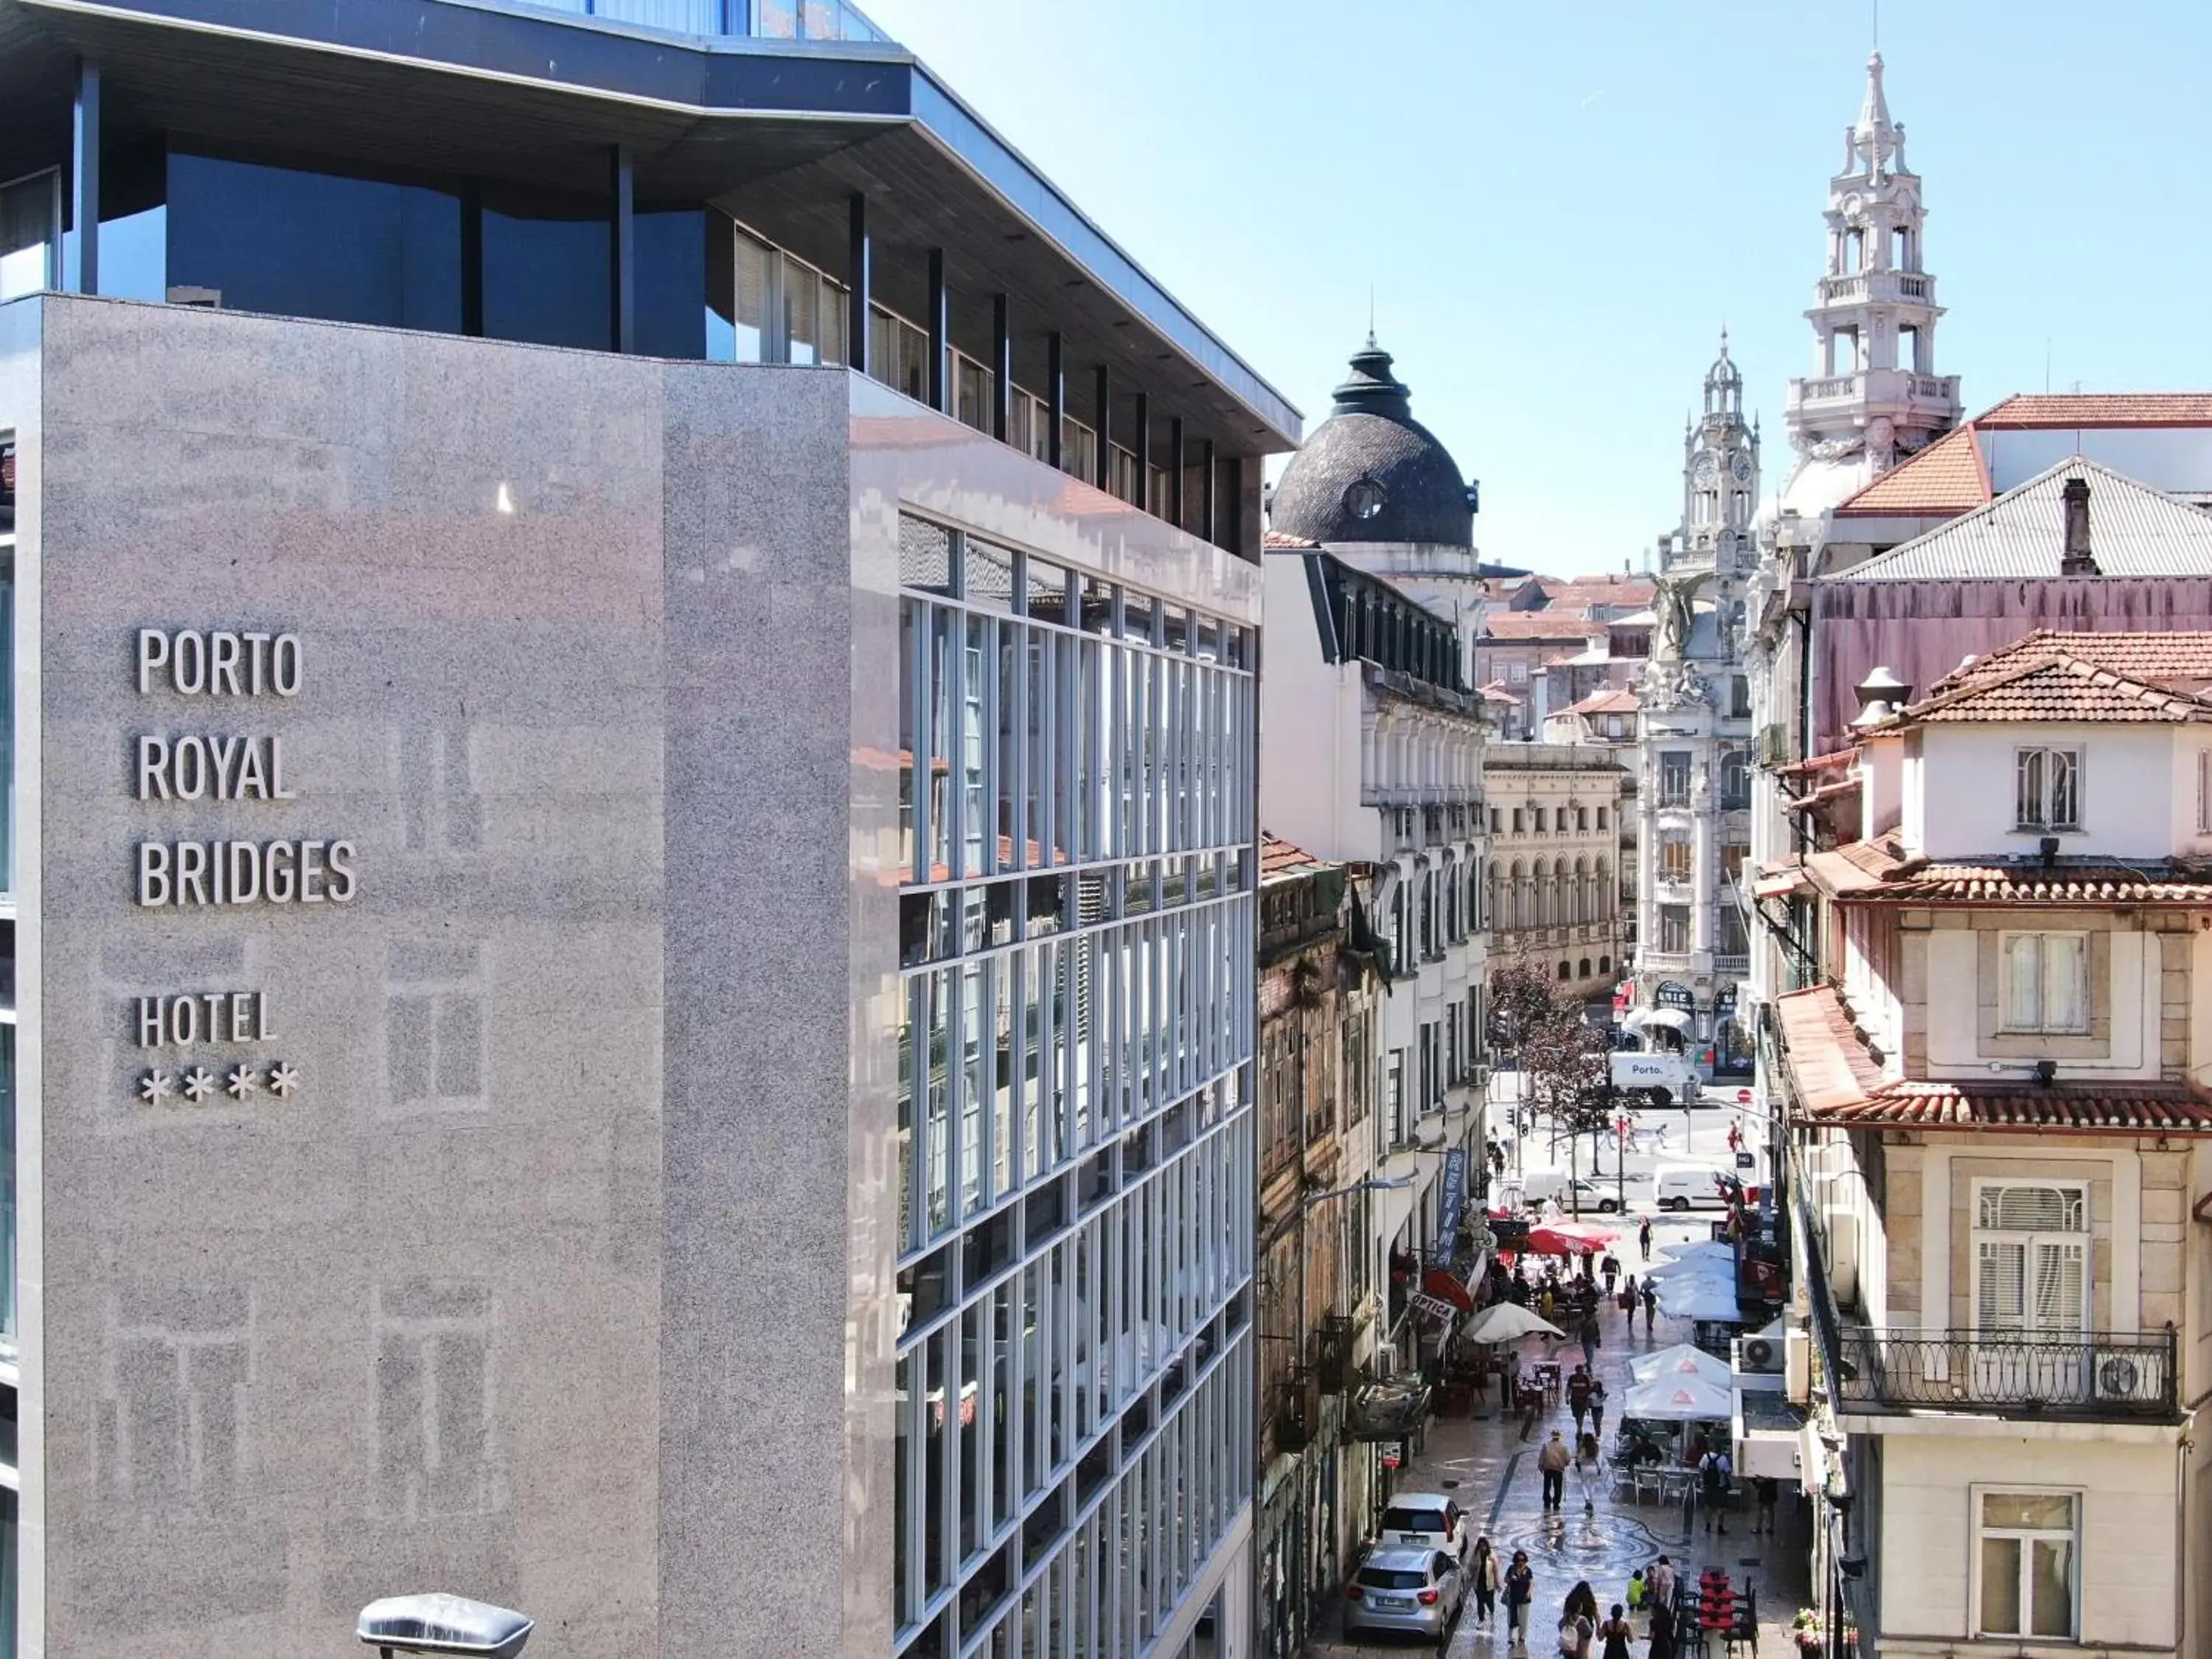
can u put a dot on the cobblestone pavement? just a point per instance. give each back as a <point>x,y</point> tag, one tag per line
<point>1486,1465</point>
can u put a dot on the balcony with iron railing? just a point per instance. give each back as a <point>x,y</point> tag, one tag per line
<point>2096,1376</point>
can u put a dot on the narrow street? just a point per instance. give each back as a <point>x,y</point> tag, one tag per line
<point>1600,1535</point>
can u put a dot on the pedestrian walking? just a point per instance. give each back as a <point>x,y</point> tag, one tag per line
<point>1482,1575</point>
<point>1663,1631</point>
<point>1765,1489</point>
<point>1552,1462</point>
<point>1589,1336</point>
<point>1734,1137</point>
<point>1659,1584</point>
<point>1520,1587</point>
<point>1643,1236</point>
<point>1597,1409</point>
<point>1651,1306</point>
<point>1713,1472</point>
<point>1578,1622</point>
<point>1532,1402</point>
<point>1610,1270</point>
<point>1617,1634</point>
<point>1578,1394</point>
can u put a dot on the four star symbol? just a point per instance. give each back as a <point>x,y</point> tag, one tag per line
<point>199,1084</point>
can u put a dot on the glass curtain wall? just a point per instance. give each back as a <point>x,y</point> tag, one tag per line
<point>30,234</point>
<point>1076,1088</point>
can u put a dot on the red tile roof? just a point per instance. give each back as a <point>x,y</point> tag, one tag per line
<point>2131,678</point>
<point>1279,858</point>
<point>1838,1083</point>
<point>2163,658</point>
<point>1543,625</point>
<point>1950,475</point>
<point>2101,409</point>
<point>1613,700</point>
<point>1880,871</point>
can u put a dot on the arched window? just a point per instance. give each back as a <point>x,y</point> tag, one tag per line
<point>1541,879</point>
<point>1498,913</point>
<point>1520,895</point>
<point>1584,910</point>
<point>1605,964</point>
<point>1582,968</point>
<point>1565,972</point>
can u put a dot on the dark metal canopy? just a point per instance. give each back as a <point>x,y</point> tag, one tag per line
<point>781,133</point>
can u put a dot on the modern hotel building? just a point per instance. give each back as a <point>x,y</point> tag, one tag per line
<point>632,848</point>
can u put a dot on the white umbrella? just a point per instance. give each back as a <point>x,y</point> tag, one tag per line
<point>1680,1361</point>
<point>1679,1399</point>
<point>1700,1300</point>
<point>1505,1321</point>
<point>1674,1273</point>
<point>1710,1250</point>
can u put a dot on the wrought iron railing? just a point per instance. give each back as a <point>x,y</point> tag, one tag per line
<point>2098,1375</point>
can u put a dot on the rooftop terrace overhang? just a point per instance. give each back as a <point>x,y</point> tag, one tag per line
<point>780,134</point>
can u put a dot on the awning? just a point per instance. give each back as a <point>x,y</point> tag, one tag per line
<point>1447,1286</point>
<point>1782,883</point>
<point>1637,1019</point>
<point>1389,1410</point>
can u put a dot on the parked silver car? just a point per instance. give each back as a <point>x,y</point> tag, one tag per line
<point>1408,1592</point>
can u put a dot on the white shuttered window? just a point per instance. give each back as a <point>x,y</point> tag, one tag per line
<point>2046,982</point>
<point>2031,1259</point>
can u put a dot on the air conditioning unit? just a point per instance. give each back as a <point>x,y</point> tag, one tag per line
<point>1797,1367</point>
<point>1759,1354</point>
<point>2135,1375</point>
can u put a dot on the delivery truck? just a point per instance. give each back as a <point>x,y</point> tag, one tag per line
<point>1644,1074</point>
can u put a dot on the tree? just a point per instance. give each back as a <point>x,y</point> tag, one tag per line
<point>1563,1058</point>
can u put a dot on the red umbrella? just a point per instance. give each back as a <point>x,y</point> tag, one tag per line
<point>1570,1238</point>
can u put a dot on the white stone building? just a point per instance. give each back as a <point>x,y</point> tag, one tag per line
<point>1694,754</point>
<point>1371,754</point>
<point>1873,395</point>
<point>1999,1104</point>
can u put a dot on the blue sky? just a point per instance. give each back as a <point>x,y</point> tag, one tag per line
<point>1558,205</point>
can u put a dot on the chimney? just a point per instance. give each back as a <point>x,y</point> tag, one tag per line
<point>2077,560</point>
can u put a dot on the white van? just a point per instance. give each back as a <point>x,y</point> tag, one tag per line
<point>1539,1186</point>
<point>1680,1186</point>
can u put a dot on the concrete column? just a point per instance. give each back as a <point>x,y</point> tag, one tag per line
<point>1055,395</point>
<point>84,181</point>
<point>1176,466</point>
<point>940,383</point>
<point>621,250</point>
<point>1102,462</point>
<point>1002,366</point>
<point>859,274</point>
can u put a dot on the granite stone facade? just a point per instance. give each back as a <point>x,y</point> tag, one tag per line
<point>563,1277</point>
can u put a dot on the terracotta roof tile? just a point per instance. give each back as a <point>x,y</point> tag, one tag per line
<point>2164,659</point>
<point>2101,409</point>
<point>1838,1083</point>
<point>1284,538</point>
<point>1950,475</point>
<point>1615,700</point>
<point>2130,678</point>
<point>2068,881</point>
<point>1543,625</point>
<point>1279,858</point>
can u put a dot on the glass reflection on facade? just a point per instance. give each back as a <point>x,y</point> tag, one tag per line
<point>1075,1375</point>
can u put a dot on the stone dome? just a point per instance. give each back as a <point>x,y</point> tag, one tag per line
<point>1371,472</point>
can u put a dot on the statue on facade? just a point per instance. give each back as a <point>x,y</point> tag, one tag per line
<point>1673,614</point>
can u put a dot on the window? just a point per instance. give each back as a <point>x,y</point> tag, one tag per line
<point>2047,788</point>
<point>1517,673</point>
<point>1675,857</point>
<point>1733,854</point>
<point>1673,777</point>
<point>1540,820</point>
<point>2204,792</point>
<point>1520,820</point>
<point>2026,1553</point>
<point>1674,928</point>
<point>30,208</point>
<point>1600,817</point>
<point>1616,725</point>
<point>2045,982</point>
<point>1496,820</point>
<point>1736,781</point>
<point>1739,697</point>
<point>2031,1258</point>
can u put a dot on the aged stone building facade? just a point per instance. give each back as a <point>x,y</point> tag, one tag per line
<point>1555,846</point>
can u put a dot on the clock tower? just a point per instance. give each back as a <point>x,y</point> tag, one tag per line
<point>1720,475</point>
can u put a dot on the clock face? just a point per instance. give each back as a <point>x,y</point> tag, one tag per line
<point>1741,466</point>
<point>1363,498</point>
<point>1704,468</point>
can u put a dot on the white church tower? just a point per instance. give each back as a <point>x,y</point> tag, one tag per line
<point>1874,396</point>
